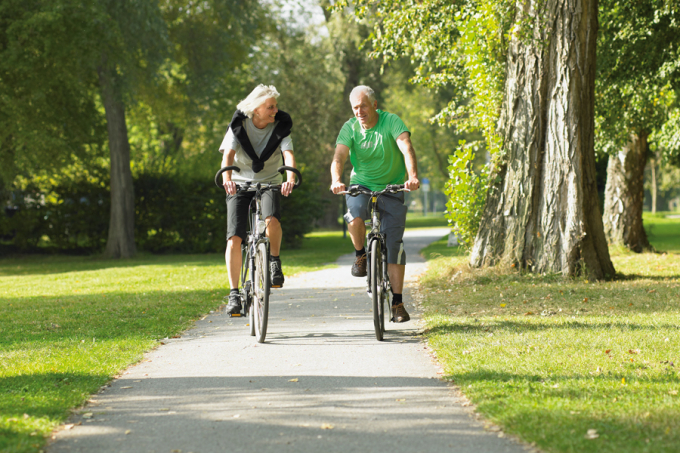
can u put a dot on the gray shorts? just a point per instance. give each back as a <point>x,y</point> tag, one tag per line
<point>392,220</point>
<point>237,210</point>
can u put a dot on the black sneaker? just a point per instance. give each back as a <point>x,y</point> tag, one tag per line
<point>277,278</point>
<point>234,305</point>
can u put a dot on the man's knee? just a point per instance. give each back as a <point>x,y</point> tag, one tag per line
<point>234,241</point>
<point>273,222</point>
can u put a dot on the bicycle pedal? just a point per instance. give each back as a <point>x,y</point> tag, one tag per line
<point>277,286</point>
<point>235,315</point>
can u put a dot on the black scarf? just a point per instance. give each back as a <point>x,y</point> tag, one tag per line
<point>281,130</point>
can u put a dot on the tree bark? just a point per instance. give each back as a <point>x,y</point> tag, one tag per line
<point>624,196</point>
<point>121,240</point>
<point>655,189</point>
<point>542,213</point>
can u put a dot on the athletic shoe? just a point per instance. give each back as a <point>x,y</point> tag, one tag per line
<point>359,266</point>
<point>399,313</point>
<point>234,305</point>
<point>276,274</point>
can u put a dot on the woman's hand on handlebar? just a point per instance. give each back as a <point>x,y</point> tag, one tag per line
<point>287,188</point>
<point>338,187</point>
<point>230,187</point>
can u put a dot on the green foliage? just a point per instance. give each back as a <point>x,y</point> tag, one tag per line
<point>638,69</point>
<point>466,190</point>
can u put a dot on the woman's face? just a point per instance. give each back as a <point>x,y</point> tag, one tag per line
<point>266,113</point>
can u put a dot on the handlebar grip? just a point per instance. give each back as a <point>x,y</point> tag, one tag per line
<point>294,170</point>
<point>218,183</point>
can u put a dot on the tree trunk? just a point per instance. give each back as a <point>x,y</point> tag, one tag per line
<point>624,196</point>
<point>652,162</point>
<point>542,213</point>
<point>121,240</point>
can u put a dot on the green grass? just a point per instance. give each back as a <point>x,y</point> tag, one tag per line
<point>549,358</point>
<point>414,220</point>
<point>69,324</point>
<point>663,233</point>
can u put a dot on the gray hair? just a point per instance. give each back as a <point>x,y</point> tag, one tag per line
<point>256,98</point>
<point>368,91</point>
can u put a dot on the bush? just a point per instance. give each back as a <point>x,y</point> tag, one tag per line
<point>171,215</point>
<point>466,192</point>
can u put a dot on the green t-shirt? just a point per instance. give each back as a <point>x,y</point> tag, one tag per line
<point>374,154</point>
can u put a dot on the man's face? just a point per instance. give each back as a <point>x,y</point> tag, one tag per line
<point>267,111</point>
<point>364,110</point>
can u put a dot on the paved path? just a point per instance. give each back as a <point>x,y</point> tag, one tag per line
<point>320,383</point>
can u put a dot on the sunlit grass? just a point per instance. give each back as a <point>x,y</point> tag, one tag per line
<point>549,358</point>
<point>68,324</point>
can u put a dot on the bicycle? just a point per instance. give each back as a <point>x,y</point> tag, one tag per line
<point>255,277</point>
<point>377,278</point>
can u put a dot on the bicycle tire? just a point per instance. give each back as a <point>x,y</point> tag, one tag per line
<point>377,290</point>
<point>261,288</point>
<point>246,290</point>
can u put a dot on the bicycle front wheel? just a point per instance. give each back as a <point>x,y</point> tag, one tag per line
<point>261,291</point>
<point>377,290</point>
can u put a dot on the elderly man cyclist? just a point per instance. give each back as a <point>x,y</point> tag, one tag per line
<point>258,142</point>
<point>380,150</point>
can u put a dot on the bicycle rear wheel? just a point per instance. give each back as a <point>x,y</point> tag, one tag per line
<point>377,292</point>
<point>260,291</point>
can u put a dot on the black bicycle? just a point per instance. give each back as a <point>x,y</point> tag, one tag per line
<point>255,277</point>
<point>377,278</point>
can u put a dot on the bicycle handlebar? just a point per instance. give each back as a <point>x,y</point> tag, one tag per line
<point>248,185</point>
<point>355,190</point>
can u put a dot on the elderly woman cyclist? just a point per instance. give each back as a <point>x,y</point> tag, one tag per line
<point>258,142</point>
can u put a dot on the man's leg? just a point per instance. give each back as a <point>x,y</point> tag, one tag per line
<point>393,221</point>
<point>237,219</point>
<point>233,259</point>
<point>357,211</point>
<point>396,273</point>
<point>275,233</point>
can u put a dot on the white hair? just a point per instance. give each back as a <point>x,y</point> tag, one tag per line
<point>368,91</point>
<point>256,98</point>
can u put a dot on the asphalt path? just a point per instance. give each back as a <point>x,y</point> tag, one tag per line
<point>320,383</point>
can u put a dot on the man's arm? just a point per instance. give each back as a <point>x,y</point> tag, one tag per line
<point>227,160</point>
<point>337,166</point>
<point>406,148</point>
<point>288,161</point>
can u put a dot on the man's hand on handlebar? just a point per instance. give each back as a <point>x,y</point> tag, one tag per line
<point>287,188</point>
<point>412,184</point>
<point>230,187</point>
<point>338,187</point>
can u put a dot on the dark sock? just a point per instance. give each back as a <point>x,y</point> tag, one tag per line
<point>396,299</point>
<point>275,258</point>
<point>360,252</point>
<point>233,291</point>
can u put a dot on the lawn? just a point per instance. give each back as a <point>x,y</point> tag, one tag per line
<point>567,364</point>
<point>69,324</point>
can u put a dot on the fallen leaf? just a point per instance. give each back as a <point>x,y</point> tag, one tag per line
<point>86,415</point>
<point>607,351</point>
<point>528,313</point>
<point>651,291</point>
<point>128,431</point>
<point>401,399</point>
<point>237,416</point>
<point>127,387</point>
<point>293,380</point>
<point>69,426</point>
<point>592,434</point>
<point>327,426</point>
<point>672,392</point>
<point>502,305</point>
<point>633,351</point>
<point>585,299</point>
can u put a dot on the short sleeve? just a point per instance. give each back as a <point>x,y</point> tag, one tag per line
<point>396,126</point>
<point>345,136</point>
<point>229,142</point>
<point>287,143</point>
